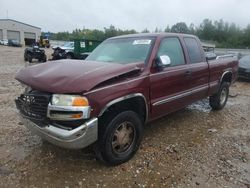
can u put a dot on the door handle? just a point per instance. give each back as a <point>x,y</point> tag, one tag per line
<point>188,73</point>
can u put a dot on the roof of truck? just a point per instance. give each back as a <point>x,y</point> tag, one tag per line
<point>152,35</point>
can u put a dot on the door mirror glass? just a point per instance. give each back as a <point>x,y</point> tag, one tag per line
<point>165,60</point>
<point>162,61</point>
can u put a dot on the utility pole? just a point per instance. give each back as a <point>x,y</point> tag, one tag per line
<point>7,14</point>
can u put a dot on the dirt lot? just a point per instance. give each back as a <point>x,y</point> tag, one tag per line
<point>195,147</point>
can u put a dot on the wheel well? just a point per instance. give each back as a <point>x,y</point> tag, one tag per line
<point>227,77</point>
<point>136,104</point>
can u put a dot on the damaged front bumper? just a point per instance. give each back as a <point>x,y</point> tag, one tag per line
<point>64,126</point>
<point>77,138</point>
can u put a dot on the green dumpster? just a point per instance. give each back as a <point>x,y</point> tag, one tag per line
<point>83,47</point>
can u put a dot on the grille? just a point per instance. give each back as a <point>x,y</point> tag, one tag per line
<point>33,106</point>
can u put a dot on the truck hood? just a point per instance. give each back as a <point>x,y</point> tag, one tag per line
<point>72,76</point>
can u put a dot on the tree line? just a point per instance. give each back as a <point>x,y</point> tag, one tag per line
<point>223,34</point>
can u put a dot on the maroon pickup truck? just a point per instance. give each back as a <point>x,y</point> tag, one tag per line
<point>126,82</point>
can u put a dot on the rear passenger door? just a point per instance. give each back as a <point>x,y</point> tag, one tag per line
<point>199,70</point>
<point>169,86</point>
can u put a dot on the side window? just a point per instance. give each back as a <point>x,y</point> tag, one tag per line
<point>193,50</point>
<point>171,47</point>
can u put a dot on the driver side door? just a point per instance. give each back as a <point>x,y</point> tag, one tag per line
<point>169,86</point>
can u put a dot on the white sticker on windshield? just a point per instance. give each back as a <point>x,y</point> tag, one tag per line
<point>143,41</point>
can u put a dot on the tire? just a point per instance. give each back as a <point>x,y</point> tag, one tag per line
<point>44,58</point>
<point>119,139</point>
<point>69,56</point>
<point>219,100</point>
<point>29,58</point>
<point>25,58</point>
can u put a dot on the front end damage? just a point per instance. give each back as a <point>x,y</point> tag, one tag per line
<point>65,126</point>
<point>55,109</point>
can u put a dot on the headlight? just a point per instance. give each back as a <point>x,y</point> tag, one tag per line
<point>69,100</point>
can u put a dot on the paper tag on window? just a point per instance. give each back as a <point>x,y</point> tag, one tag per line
<point>143,41</point>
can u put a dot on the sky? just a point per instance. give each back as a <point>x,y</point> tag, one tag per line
<point>67,15</point>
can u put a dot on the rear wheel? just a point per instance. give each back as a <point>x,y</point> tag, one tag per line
<point>44,59</point>
<point>29,57</point>
<point>219,100</point>
<point>120,138</point>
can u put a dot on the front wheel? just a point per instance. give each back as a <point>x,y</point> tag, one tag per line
<point>219,100</point>
<point>25,58</point>
<point>30,58</point>
<point>120,139</point>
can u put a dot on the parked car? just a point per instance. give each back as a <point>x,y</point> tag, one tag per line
<point>244,67</point>
<point>65,51</point>
<point>15,43</point>
<point>79,49</point>
<point>34,52</point>
<point>4,42</point>
<point>124,83</point>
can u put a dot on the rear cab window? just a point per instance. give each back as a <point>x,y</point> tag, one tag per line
<point>193,49</point>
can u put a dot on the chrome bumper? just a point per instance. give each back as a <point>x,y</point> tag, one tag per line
<point>78,138</point>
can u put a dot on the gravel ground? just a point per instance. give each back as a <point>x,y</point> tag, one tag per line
<point>194,147</point>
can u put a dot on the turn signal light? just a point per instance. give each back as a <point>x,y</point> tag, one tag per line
<point>77,116</point>
<point>80,101</point>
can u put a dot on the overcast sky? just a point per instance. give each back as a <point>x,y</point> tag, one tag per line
<point>66,15</point>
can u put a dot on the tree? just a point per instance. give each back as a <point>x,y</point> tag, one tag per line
<point>246,37</point>
<point>110,32</point>
<point>180,27</point>
<point>234,37</point>
<point>145,30</point>
<point>167,29</point>
<point>191,29</point>
<point>222,33</point>
<point>220,30</point>
<point>206,30</point>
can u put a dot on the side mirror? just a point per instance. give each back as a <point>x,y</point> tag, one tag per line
<point>163,61</point>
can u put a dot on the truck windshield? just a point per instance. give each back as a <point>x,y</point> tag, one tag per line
<point>122,50</point>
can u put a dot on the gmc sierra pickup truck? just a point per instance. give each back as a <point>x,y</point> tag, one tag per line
<point>125,82</point>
